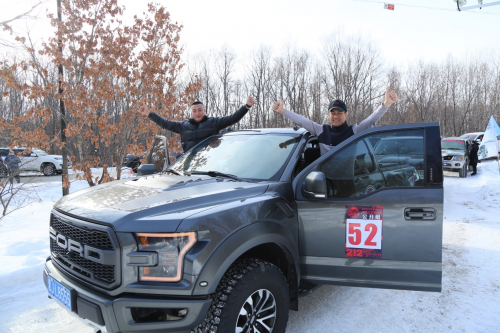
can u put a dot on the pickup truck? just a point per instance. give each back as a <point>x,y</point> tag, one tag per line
<point>227,237</point>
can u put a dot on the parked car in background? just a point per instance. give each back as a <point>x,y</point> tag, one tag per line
<point>37,160</point>
<point>133,161</point>
<point>455,152</point>
<point>476,136</point>
<point>156,155</point>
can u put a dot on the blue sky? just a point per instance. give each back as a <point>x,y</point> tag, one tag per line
<point>428,30</point>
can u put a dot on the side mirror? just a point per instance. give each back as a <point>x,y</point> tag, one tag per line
<point>34,155</point>
<point>315,185</point>
<point>146,169</point>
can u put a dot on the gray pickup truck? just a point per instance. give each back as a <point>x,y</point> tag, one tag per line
<point>227,237</point>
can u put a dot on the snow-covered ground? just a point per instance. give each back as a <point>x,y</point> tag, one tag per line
<point>469,301</point>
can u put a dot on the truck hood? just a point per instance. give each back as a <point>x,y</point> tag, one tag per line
<point>154,203</point>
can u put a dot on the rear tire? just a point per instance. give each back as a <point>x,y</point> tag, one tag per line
<point>251,297</point>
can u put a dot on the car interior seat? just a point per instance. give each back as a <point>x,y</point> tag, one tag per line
<point>310,155</point>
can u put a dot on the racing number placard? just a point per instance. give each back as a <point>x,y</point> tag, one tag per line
<point>363,231</point>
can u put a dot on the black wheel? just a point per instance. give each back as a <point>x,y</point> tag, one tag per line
<point>463,172</point>
<point>251,297</point>
<point>49,169</point>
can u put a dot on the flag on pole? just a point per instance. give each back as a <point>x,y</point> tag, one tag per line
<point>389,6</point>
<point>489,145</point>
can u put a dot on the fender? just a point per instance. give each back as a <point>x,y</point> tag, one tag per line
<point>240,242</point>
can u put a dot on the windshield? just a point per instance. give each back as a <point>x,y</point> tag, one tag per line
<point>400,146</point>
<point>453,144</point>
<point>252,157</point>
<point>40,152</point>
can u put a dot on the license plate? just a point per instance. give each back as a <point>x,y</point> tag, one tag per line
<point>60,292</point>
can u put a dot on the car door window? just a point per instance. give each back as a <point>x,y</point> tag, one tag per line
<point>400,157</point>
<point>351,172</point>
<point>381,160</point>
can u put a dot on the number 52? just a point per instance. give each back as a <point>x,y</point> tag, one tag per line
<point>364,234</point>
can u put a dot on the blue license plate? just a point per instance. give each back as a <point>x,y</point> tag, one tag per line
<point>60,292</point>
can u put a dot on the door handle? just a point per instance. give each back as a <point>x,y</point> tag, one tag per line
<point>420,213</point>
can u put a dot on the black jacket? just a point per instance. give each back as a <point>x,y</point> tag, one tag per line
<point>192,131</point>
<point>473,153</point>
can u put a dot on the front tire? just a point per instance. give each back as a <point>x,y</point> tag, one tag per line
<point>251,297</point>
<point>49,169</point>
<point>462,173</point>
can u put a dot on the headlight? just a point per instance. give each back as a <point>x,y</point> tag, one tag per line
<point>457,158</point>
<point>171,249</point>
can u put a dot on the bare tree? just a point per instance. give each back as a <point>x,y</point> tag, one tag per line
<point>352,73</point>
<point>7,23</point>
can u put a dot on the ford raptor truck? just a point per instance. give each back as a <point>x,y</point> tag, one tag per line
<point>227,237</point>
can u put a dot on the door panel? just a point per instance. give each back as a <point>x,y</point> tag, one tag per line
<point>406,252</point>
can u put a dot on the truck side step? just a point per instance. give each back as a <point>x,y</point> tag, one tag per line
<point>306,287</point>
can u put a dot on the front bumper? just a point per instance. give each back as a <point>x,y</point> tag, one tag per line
<point>451,165</point>
<point>59,166</point>
<point>114,314</point>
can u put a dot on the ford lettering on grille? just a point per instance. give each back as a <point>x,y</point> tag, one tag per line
<point>104,257</point>
<point>85,250</point>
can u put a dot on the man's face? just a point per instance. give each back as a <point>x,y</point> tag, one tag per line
<point>198,112</point>
<point>337,117</point>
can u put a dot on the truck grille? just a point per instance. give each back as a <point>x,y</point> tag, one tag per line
<point>96,238</point>
<point>83,266</point>
<point>103,275</point>
<point>447,158</point>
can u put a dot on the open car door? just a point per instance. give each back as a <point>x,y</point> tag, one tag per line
<point>157,159</point>
<point>371,211</point>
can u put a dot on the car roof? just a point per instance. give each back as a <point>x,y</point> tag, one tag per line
<point>473,133</point>
<point>291,131</point>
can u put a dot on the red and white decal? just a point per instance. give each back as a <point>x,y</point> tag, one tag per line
<point>364,234</point>
<point>363,237</point>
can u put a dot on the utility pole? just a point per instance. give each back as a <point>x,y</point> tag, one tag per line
<point>65,190</point>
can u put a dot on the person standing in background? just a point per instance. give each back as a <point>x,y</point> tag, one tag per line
<point>473,157</point>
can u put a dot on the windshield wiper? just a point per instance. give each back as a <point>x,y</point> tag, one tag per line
<point>172,171</point>
<point>215,174</point>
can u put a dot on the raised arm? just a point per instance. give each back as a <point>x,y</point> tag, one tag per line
<point>174,126</point>
<point>223,122</point>
<point>308,124</point>
<point>390,98</point>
